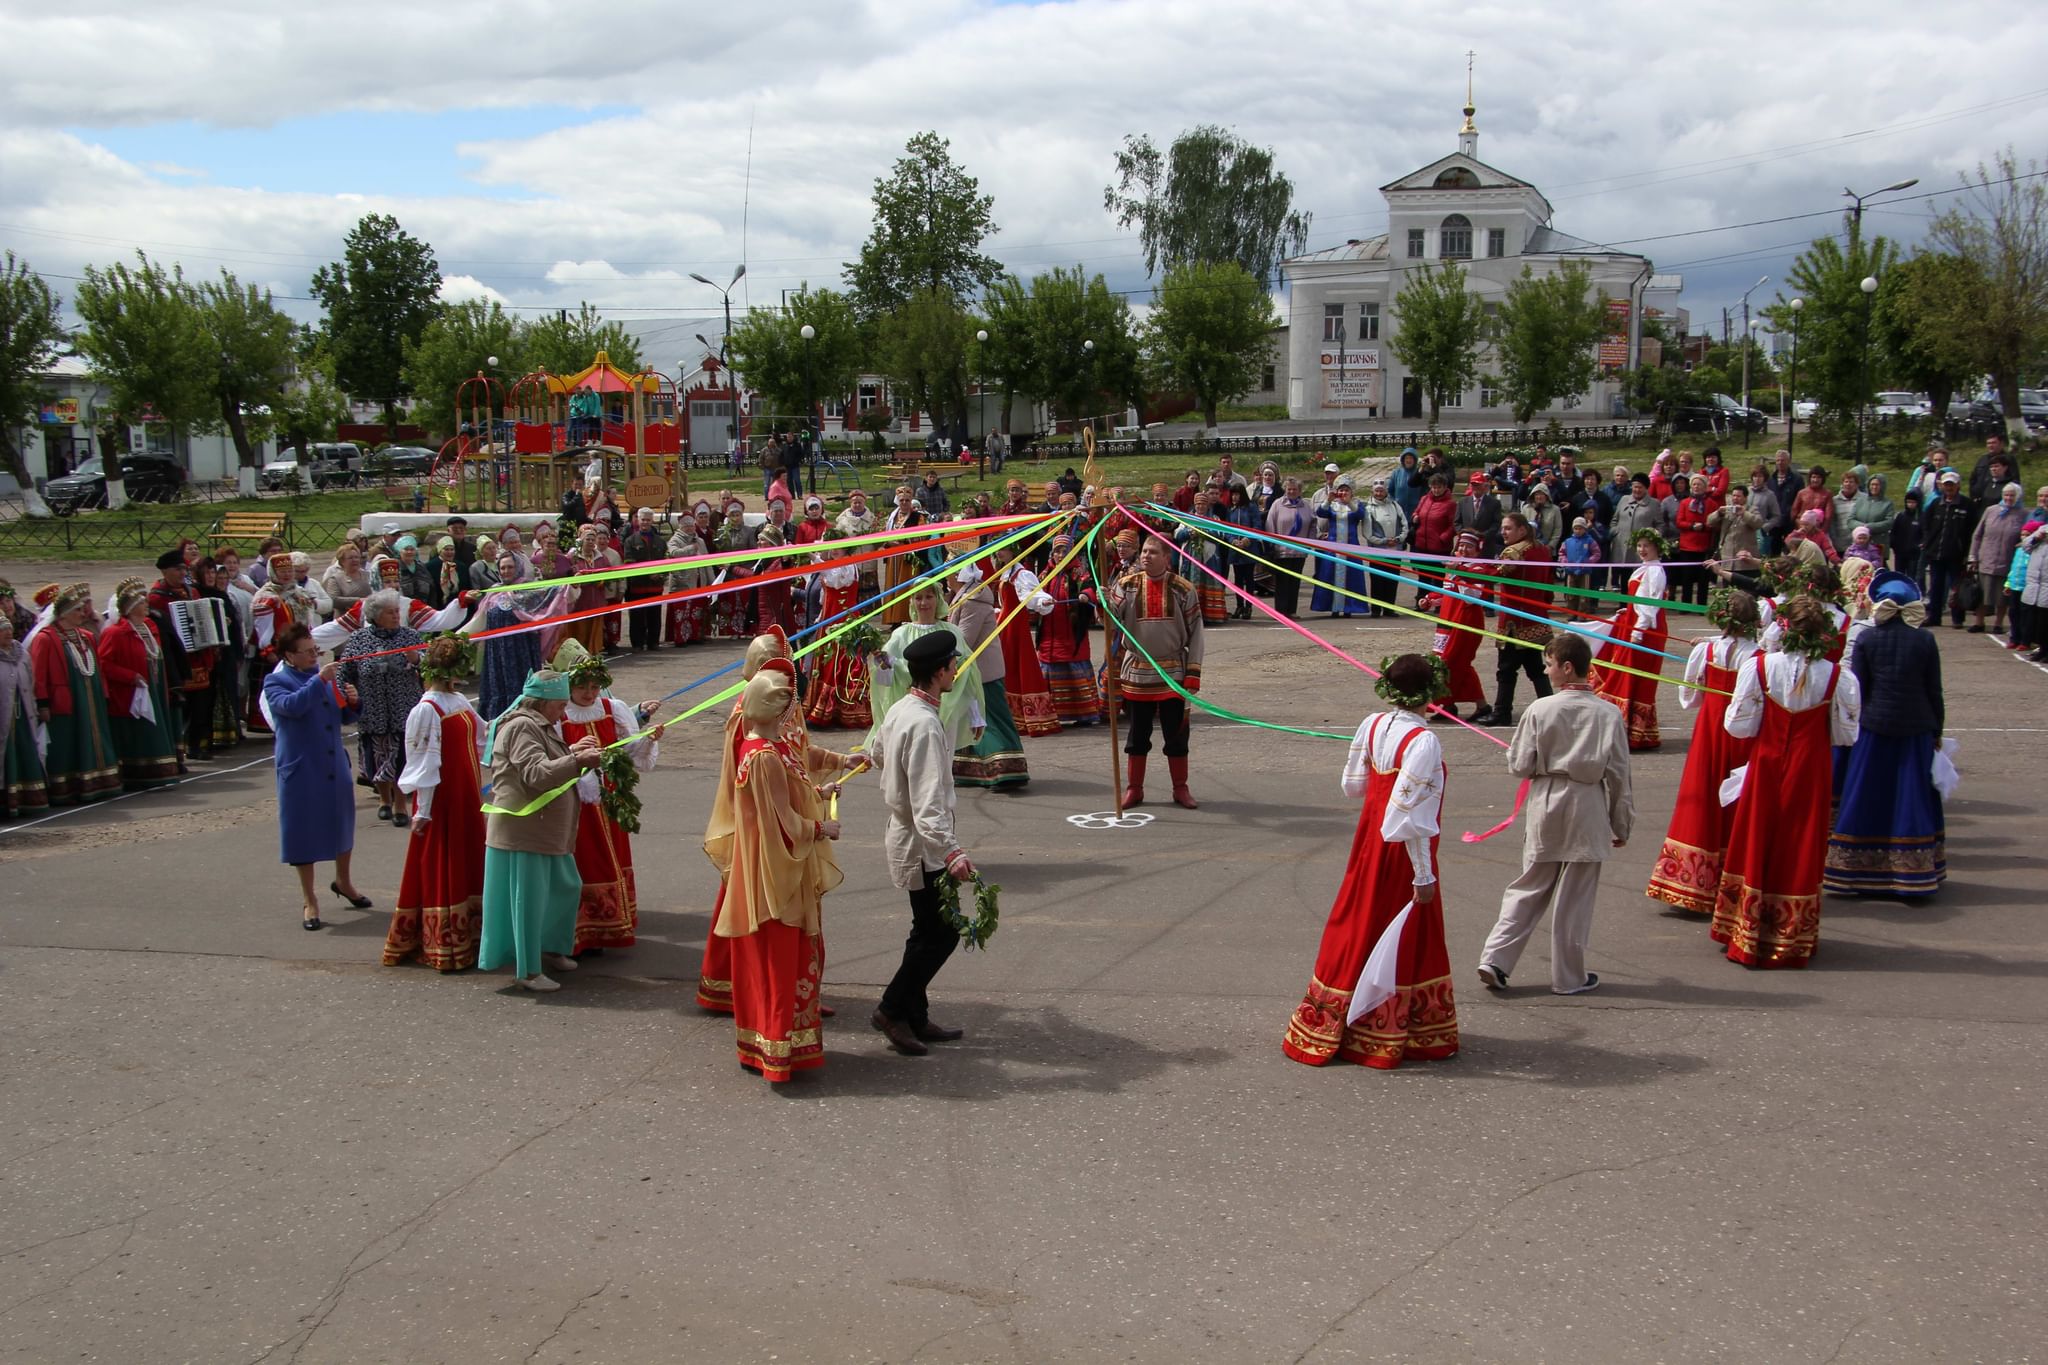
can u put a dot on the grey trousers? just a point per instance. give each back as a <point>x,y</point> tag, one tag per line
<point>1566,890</point>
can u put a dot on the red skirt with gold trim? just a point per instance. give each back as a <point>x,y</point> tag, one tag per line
<point>1768,909</point>
<point>714,978</point>
<point>440,893</point>
<point>607,913</point>
<point>1635,694</point>
<point>776,970</point>
<point>1023,680</point>
<point>1687,873</point>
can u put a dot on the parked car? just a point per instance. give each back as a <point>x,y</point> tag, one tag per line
<point>329,464</point>
<point>1805,409</point>
<point>1893,403</point>
<point>1973,418</point>
<point>399,462</point>
<point>145,478</point>
<point>2034,408</point>
<point>1721,415</point>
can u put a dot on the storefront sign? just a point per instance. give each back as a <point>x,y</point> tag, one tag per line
<point>1360,359</point>
<point>1354,388</point>
<point>62,412</point>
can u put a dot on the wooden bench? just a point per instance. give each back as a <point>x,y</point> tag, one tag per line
<point>254,527</point>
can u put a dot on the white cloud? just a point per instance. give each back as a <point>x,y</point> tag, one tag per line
<point>1636,121</point>
<point>465,288</point>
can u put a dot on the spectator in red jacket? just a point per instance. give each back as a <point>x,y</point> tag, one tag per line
<point>1713,476</point>
<point>1694,506</point>
<point>1815,497</point>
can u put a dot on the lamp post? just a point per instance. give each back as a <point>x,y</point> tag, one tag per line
<point>724,337</point>
<point>1869,288</point>
<point>1747,339</point>
<point>1088,358</point>
<point>1791,415</point>
<point>1856,213</point>
<point>981,392</point>
<point>811,423</point>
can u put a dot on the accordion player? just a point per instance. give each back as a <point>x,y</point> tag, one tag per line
<point>202,627</point>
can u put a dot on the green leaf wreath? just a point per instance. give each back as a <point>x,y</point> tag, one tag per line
<point>974,933</point>
<point>618,779</point>
<point>862,640</point>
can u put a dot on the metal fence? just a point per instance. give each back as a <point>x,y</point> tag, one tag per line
<point>145,537</point>
<point>1422,439</point>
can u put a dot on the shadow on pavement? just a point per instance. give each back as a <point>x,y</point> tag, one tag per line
<point>1553,1061</point>
<point>1671,991</point>
<point>1837,955</point>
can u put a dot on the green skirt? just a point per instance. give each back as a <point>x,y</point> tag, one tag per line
<point>81,766</point>
<point>997,758</point>
<point>148,749</point>
<point>22,788</point>
<point>529,908</point>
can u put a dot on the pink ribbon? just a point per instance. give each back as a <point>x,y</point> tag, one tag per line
<point>1521,796</point>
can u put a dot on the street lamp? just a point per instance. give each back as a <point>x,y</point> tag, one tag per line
<point>1088,356</point>
<point>1856,213</point>
<point>1791,417</point>
<point>1869,287</point>
<point>981,392</point>
<point>1747,340</point>
<point>809,333</point>
<point>726,294</point>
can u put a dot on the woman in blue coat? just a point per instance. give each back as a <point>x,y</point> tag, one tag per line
<point>315,788</point>
<point>1337,523</point>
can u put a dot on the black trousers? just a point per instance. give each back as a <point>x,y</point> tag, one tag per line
<point>930,943</point>
<point>1287,588</point>
<point>1172,716</point>
<point>645,625</point>
<point>1381,588</point>
<point>1244,572</point>
<point>198,708</point>
<point>1511,659</point>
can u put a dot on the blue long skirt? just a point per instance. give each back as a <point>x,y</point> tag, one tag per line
<point>1888,835</point>
<point>1325,597</point>
<point>507,661</point>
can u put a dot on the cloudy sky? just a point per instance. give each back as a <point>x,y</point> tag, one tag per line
<point>554,153</point>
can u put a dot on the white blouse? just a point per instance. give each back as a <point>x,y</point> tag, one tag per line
<point>644,751</point>
<point>1797,684</point>
<point>1035,599</point>
<point>1415,805</point>
<point>1723,651</point>
<point>422,775</point>
<point>1647,581</point>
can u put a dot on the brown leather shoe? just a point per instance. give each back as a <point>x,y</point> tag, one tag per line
<point>928,1032</point>
<point>899,1035</point>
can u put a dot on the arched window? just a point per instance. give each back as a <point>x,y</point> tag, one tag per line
<point>1454,240</point>
<point>1457,178</point>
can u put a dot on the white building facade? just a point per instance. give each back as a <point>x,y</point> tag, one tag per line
<point>1457,210</point>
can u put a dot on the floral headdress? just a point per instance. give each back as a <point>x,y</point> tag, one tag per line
<point>1723,614</point>
<point>463,666</point>
<point>1654,536</point>
<point>1439,684</point>
<point>579,665</point>
<point>1807,643</point>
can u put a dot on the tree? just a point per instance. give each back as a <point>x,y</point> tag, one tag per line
<point>1069,310</point>
<point>456,346</point>
<point>146,339</point>
<point>1008,359</point>
<point>1213,198</point>
<point>1210,333</point>
<point>30,331</point>
<point>922,348</point>
<point>1915,325</point>
<point>312,406</point>
<point>1437,327</point>
<point>564,342</point>
<point>253,344</point>
<point>379,298</point>
<point>768,346</point>
<point>2001,313</point>
<point>1834,331</point>
<point>1545,338</point>
<point>930,222</point>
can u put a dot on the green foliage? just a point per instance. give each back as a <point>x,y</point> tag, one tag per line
<point>1834,326</point>
<point>768,347</point>
<point>1659,388</point>
<point>311,409</point>
<point>922,347</point>
<point>30,330</point>
<point>1235,412</point>
<point>1999,316</point>
<point>1915,324</point>
<point>1438,334</point>
<point>1212,199</point>
<point>379,298</point>
<point>1545,337</point>
<point>564,343</point>
<point>930,221</point>
<point>1211,333</point>
<point>457,346</point>
<point>147,341</point>
<point>255,343</point>
<point>1009,359</point>
<point>1068,310</point>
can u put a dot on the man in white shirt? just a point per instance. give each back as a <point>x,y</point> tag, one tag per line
<point>915,756</point>
<point>1572,746</point>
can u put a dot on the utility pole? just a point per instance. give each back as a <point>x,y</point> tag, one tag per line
<point>1748,343</point>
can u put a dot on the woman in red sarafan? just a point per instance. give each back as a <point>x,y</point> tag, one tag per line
<point>1796,704</point>
<point>1063,643</point>
<point>608,912</point>
<point>440,892</point>
<point>1639,623</point>
<point>1457,634</point>
<point>1024,682</point>
<point>1687,873</point>
<point>1397,765</point>
<point>839,684</point>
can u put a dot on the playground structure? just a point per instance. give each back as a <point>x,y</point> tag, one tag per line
<point>521,449</point>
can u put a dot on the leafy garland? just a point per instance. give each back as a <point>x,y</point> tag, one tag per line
<point>618,779</point>
<point>862,640</point>
<point>1722,608</point>
<point>974,933</point>
<point>459,669</point>
<point>1651,533</point>
<point>1439,684</point>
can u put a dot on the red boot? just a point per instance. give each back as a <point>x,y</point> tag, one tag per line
<point>1182,797</point>
<point>1134,788</point>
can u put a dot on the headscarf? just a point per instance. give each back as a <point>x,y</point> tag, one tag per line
<point>769,644</point>
<point>541,685</point>
<point>769,694</point>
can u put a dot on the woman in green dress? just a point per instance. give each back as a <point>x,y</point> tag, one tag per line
<point>79,764</point>
<point>960,710</point>
<point>21,763</point>
<point>131,657</point>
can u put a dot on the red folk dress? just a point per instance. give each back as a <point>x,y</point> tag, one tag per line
<point>1635,693</point>
<point>1024,684</point>
<point>1687,873</point>
<point>1457,639</point>
<point>777,967</point>
<point>839,685</point>
<point>440,892</point>
<point>1399,764</point>
<point>607,913</point>
<point>1768,908</point>
<point>1063,653</point>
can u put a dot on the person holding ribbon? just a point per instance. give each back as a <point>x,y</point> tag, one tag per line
<point>1161,612</point>
<point>1381,993</point>
<point>1063,652</point>
<point>1687,873</point>
<point>996,759</point>
<point>961,707</point>
<point>1340,579</point>
<point>440,890</point>
<point>531,884</point>
<point>1571,750</point>
<point>1641,622</point>
<point>1460,616</point>
<point>776,854</point>
<point>607,910</point>
<point>839,684</point>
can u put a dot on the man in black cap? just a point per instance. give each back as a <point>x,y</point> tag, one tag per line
<point>915,757</point>
<point>465,548</point>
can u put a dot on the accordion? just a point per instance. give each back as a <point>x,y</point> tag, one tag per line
<point>201,623</point>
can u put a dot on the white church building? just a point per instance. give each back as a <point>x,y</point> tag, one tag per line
<point>1457,209</point>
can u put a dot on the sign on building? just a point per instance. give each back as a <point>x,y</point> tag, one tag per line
<point>1352,379</point>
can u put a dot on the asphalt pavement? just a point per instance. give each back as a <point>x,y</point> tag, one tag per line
<point>224,1139</point>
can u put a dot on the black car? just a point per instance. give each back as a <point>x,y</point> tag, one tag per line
<point>145,478</point>
<point>1973,419</point>
<point>1718,421</point>
<point>399,462</point>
